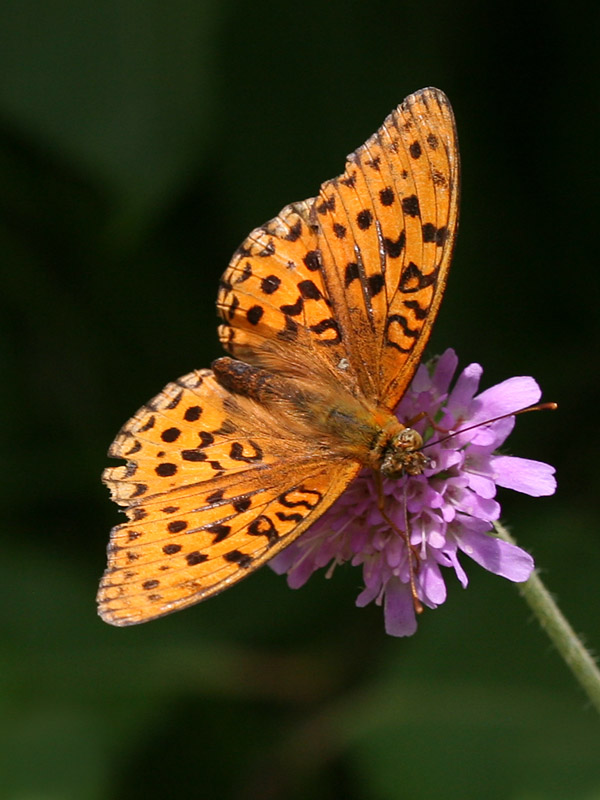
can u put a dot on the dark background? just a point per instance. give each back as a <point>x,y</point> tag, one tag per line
<point>139,143</point>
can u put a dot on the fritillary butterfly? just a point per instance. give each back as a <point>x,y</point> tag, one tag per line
<point>326,310</point>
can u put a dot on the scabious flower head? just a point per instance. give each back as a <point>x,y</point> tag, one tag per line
<point>448,510</point>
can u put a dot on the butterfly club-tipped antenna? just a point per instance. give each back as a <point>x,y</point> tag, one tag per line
<point>449,434</point>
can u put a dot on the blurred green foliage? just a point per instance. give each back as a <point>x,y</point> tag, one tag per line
<point>139,143</point>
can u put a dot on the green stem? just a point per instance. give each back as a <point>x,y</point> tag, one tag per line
<point>568,644</point>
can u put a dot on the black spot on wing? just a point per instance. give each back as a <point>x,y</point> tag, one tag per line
<point>312,260</point>
<point>386,196</point>
<point>410,205</point>
<point>325,325</point>
<point>254,314</point>
<point>195,557</point>
<point>237,452</point>
<point>177,526</point>
<point>270,284</point>
<point>148,425</point>
<point>309,290</point>
<point>295,232</point>
<point>295,309</point>
<point>193,455</point>
<point>394,248</point>
<point>165,470</point>
<point>415,150</point>
<point>433,234</point>
<point>375,283</point>
<point>413,279</point>
<point>407,331</point>
<point>263,526</point>
<point>420,313</point>
<point>219,532</point>
<point>192,413</point>
<point>237,557</point>
<point>351,274</point>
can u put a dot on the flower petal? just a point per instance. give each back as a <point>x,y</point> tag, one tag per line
<point>482,485</point>
<point>524,475</point>
<point>432,583</point>
<point>444,370</point>
<point>470,503</point>
<point>452,557</point>
<point>421,381</point>
<point>496,555</point>
<point>507,397</point>
<point>367,596</point>
<point>399,611</point>
<point>465,387</point>
<point>283,561</point>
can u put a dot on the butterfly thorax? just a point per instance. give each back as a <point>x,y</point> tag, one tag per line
<point>346,426</point>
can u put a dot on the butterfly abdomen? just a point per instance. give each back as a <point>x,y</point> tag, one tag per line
<point>346,426</point>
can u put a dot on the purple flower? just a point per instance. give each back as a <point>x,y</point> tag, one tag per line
<point>449,509</point>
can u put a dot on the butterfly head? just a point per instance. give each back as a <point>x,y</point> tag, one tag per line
<point>403,455</point>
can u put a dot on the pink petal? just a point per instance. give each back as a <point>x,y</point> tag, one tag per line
<point>496,555</point>
<point>492,436</point>
<point>507,397</point>
<point>465,387</point>
<point>284,560</point>
<point>366,596</point>
<point>460,573</point>
<point>443,459</point>
<point>421,381</point>
<point>299,574</point>
<point>482,485</point>
<point>432,583</point>
<point>476,506</point>
<point>399,612</point>
<point>524,475</point>
<point>444,370</point>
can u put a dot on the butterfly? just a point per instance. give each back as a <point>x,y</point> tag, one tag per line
<point>325,312</point>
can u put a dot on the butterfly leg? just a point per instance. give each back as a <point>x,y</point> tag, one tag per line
<point>412,554</point>
<point>424,415</point>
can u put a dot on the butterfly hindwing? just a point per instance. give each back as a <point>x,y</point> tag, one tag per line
<point>208,500</point>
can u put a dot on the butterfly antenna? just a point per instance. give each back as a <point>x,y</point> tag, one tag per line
<point>538,407</point>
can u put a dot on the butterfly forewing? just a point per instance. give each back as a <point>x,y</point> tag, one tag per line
<point>357,273</point>
<point>387,235</point>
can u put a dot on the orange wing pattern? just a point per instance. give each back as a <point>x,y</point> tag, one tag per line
<point>357,273</point>
<point>332,302</point>
<point>213,488</point>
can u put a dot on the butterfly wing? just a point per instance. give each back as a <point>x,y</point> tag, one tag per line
<point>355,276</point>
<point>214,486</point>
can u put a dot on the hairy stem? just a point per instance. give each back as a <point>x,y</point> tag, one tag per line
<point>568,644</point>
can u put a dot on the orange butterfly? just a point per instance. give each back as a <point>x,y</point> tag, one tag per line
<point>326,310</point>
